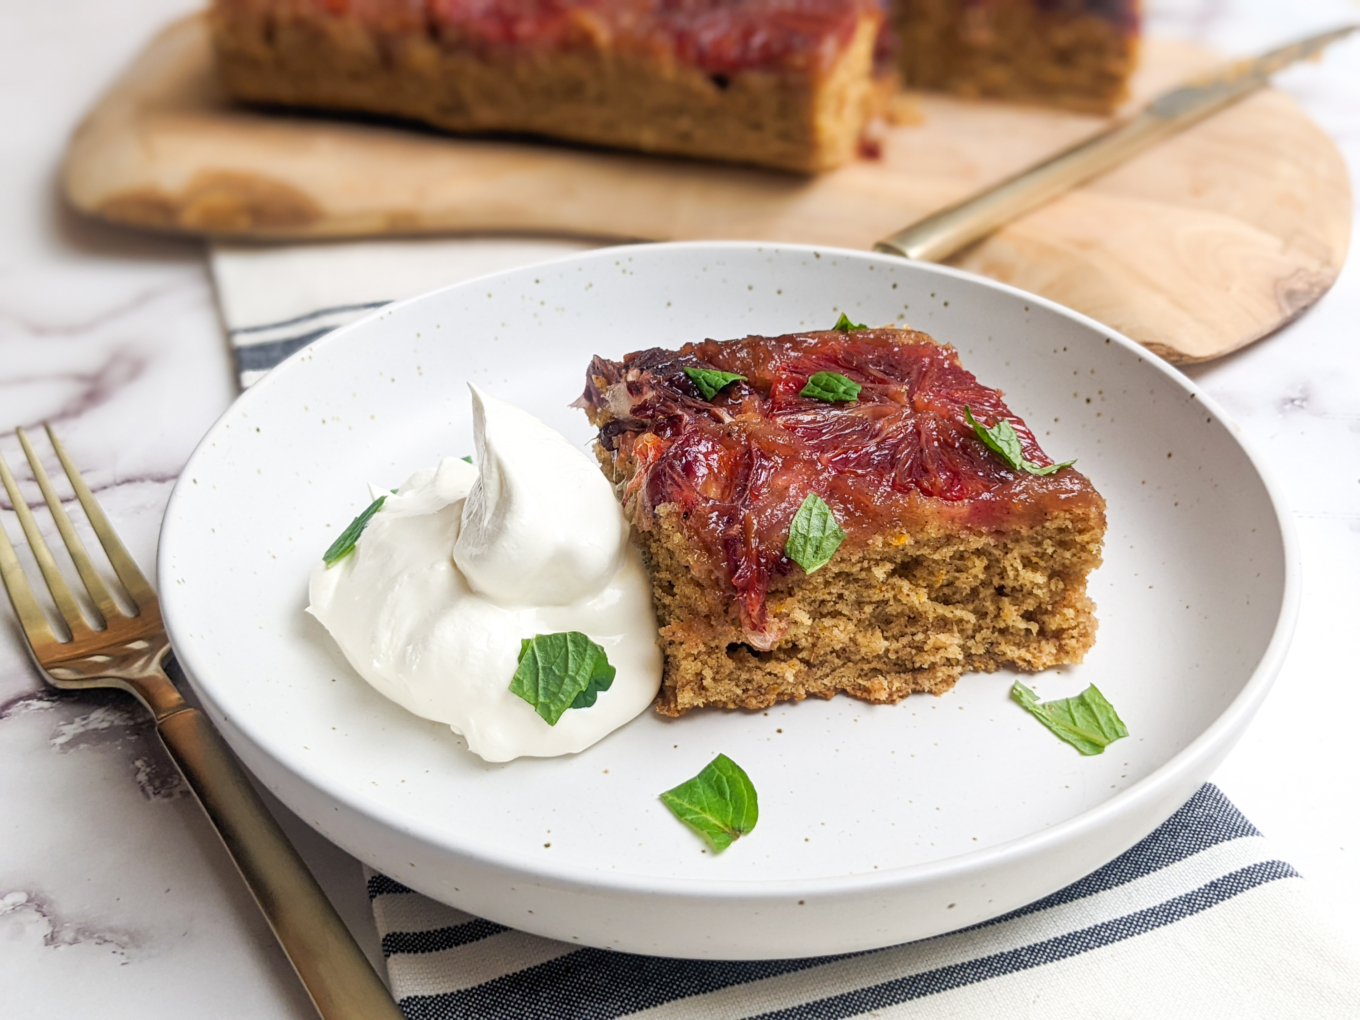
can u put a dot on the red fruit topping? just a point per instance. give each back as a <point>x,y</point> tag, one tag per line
<point>738,467</point>
<point>717,36</point>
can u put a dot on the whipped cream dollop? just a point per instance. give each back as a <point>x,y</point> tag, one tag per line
<point>462,563</point>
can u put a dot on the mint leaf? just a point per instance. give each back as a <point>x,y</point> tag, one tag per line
<point>719,803</point>
<point>814,535</point>
<point>710,380</point>
<point>1002,439</point>
<point>344,545</point>
<point>831,387</point>
<point>1088,722</point>
<point>467,459</point>
<point>845,325</point>
<point>560,671</point>
<point>600,679</point>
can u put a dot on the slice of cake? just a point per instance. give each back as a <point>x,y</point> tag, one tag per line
<point>781,83</point>
<point>1072,53</point>
<point>954,557</point>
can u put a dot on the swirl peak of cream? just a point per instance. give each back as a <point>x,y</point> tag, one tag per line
<point>541,525</point>
<point>462,563</point>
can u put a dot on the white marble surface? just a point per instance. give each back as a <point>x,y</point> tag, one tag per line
<point>115,899</point>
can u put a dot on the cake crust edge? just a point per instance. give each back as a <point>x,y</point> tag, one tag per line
<point>803,119</point>
<point>909,612</point>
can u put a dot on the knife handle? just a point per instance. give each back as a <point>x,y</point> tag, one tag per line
<point>333,968</point>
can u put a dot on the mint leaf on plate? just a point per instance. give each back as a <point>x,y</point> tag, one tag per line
<point>845,325</point>
<point>344,545</point>
<point>1002,439</point>
<point>831,387</point>
<point>560,671</point>
<point>710,380</point>
<point>1088,722</point>
<point>719,803</point>
<point>814,535</point>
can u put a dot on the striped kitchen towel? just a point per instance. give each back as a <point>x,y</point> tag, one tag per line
<point>1198,920</point>
<point>277,299</point>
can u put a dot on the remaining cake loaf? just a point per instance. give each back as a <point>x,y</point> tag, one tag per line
<point>781,83</point>
<point>1073,53</point>
<point>953,558</point>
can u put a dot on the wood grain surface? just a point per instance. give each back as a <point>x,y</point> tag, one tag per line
<point>1195,248</point>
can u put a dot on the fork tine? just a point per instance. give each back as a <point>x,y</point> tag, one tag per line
<point>94,584</point>
<point>31,616</point>
<point>56,584</point>
<point>140,591</point>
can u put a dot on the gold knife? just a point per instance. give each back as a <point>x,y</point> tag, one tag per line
<point>943,233</point>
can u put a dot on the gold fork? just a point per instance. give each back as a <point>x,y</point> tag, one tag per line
<point>113,649</point>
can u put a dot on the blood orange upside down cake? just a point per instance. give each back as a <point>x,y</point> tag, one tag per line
<point>841,511</point>
<point>782,83</point>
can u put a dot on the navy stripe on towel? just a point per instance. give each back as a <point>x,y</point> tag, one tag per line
<point>262,357</point>
<point>439,939</point>
<point>362,307</point>
<point>595,984</point>
<point>380,885</point>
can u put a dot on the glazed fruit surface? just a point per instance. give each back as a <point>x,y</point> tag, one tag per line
<point>718,36</point>
<point>737,467</point>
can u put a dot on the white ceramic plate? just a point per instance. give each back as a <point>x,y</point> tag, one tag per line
<point>878,824</point>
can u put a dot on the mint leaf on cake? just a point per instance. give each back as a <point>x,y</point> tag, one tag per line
<point>719,803</point>
<point>814,535</point>
<point>709,380</point>
<point>344,545</point>
<point>1088,722</point>
<point>831,387</point>
<point>1002,439</point>
<point>560,671</point>
<point>846,326</point>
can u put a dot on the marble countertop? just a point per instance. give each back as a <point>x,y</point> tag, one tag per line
<point>115,897</point>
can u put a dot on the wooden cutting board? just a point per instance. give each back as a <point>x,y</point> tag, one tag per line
<point>1206,243</point>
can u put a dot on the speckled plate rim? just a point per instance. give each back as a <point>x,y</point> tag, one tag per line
<point>1212,743</point>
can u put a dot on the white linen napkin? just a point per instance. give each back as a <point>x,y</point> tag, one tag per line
<point>1198,920</point>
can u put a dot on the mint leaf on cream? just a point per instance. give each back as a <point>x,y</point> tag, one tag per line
<point>814,535</point>
<point>710,380</point>
<point>344,545</point>
<point>844,325</point>
<point>467,459</point>
<point>600,679</point>
<point>1002,439</point>
<point>560,671</point>
<point>719,803</point>
<point>1088,722</point>
<point>831,387</point>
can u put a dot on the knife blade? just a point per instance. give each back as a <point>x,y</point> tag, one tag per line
<point>942,233</point>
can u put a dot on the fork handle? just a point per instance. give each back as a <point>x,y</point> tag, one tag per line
<point>330,963</point>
